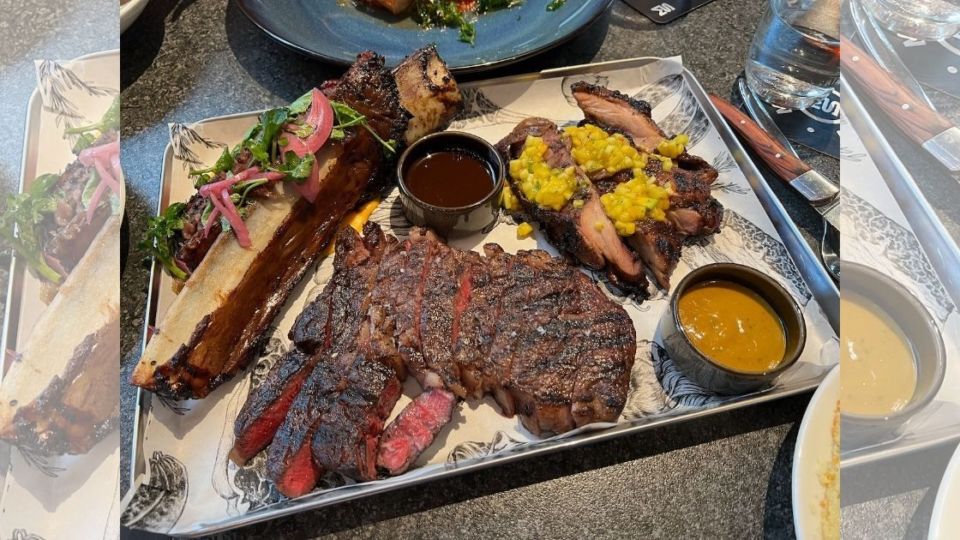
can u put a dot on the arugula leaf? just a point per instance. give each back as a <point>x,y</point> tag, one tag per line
<point>160,231</point>
<point>20,220</point>
<point>296,168</point>
<point>110,121</point>
<point>301,105</point>
<point>260,143</point>
<point>224,163</point>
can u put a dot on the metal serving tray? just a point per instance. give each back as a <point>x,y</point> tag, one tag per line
<point>21,285</point>
<point>45,150</point>
<point>816,279</point>
<point>938,245</point>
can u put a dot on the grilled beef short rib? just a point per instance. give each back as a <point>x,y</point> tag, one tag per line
<point>200,345</point>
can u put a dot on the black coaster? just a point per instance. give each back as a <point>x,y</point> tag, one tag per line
<point>933,63</point>
<point>817,128</point>
<point>664,11</point>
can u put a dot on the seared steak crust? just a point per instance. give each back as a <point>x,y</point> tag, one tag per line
<point>529,329</point>
<point>329,323</point>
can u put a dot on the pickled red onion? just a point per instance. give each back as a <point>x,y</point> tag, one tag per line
<point>95,200</point>
<point>294,144</point>
<point>88,155</point>
<point>221,201</point>
<point>105,158</point>
<point>211,219</point>
<point>321,118</point>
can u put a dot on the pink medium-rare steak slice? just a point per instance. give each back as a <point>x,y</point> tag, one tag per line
<point>327,323</point>
<point>446,293</point>
<point>290,463</point>
<point>398,298</point>
<point>529,329</point>
<point>414,429</point>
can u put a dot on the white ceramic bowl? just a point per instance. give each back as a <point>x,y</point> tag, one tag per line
<point>945,520</point>
<point>129,13</point>
<point>811,457</point>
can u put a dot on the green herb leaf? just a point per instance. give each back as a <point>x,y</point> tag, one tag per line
<point>20,220</point>
<point>304,131</point>
<point>109,122</point>
<point>42,184</point>
<point>93,180</point>
<point>555,5</point>
<point>224,163</point>
<point>347,116</point>
<point>296,168</point>
<point>84,141</point>
<point>157,238</point>
<point>261,142</point>
<point>301,105</point>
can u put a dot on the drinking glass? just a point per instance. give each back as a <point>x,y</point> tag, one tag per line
<point>794,60</point>
<point>919,19</point>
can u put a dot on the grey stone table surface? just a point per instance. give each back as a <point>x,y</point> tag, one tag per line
<point>726,476</point>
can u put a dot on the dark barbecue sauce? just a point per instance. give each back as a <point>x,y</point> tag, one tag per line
<point>449,179</point>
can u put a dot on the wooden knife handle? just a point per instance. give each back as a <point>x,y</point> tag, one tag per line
<point>778,158</point>
<point>903,107</point>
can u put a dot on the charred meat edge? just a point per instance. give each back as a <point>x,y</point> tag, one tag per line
<point>340,305</point>
<point>427,90</point>
<point>76,410</point>
<point>574,230</point>
<point>226,339</point>
<point>693,211</point>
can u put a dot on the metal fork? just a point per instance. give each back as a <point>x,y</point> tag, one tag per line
<point>830,250</point>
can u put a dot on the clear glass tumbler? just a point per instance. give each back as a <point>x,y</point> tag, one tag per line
<point>794,60</point>
<point>920,19</point>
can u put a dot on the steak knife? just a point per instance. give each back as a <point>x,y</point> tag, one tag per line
<point>777,152</point>
<point>908,111</point>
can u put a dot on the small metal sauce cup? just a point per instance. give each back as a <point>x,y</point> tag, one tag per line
<point>919,328</point>
<point>709,373</point>
<point>458,221</point>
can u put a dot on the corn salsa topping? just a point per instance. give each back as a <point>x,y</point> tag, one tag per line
<point>633,201</point>
<point>639,198</point>
<point>594,150</point>
<point>524,230</point>
<point>546,186</point>
<point>672,148</point>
